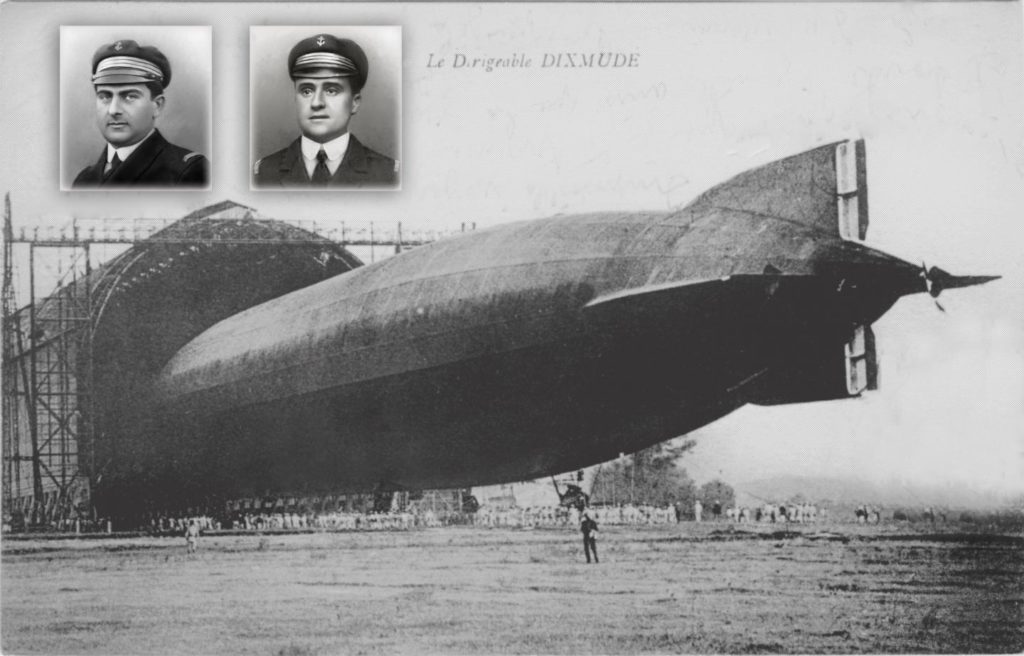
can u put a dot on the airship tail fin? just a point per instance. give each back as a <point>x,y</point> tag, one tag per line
<point>824,189</point>
<point>822,371</point>
<point>822,364</point>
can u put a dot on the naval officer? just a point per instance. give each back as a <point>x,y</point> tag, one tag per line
<point>129,81</point>
<point>328,74</point>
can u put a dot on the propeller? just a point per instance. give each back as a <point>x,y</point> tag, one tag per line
<point>936,280</point>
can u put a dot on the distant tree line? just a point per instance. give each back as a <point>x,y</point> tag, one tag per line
<point>653,477</point>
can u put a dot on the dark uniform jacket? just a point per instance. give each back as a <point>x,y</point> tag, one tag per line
<point>360,167</point>
<point>156,162</point>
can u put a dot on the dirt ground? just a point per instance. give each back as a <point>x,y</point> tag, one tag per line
<point>704,588</point>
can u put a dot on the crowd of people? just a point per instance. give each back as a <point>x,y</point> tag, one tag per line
<point>867,515</point>
<point>307,520</point>
<point>298,518</point>
<point>801,513</point>
<point>486,516</point>
<point>345,520</point>
<point>554,516</point>
<point>17,523</point>
<point>768,512</point>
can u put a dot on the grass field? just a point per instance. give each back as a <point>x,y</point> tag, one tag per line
<point>687,588</point>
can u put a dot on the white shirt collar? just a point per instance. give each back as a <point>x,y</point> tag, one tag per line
<point>335,149</point>
<point>124,151</point>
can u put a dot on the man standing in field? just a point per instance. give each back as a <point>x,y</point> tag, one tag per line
<point>192,536</point>
<point>589,528</point>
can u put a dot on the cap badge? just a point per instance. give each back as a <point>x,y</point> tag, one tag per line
<point>118,46</point>
<point>320,41</point>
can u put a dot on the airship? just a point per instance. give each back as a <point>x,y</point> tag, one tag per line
<point>539,347</point>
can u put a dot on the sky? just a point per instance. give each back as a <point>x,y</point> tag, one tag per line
<point>936,90</point>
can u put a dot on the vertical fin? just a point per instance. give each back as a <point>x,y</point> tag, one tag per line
<point>851,190</point>
<point>824,189</point>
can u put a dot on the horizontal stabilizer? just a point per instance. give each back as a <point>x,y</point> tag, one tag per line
<point>655,293</point>
<point>732,301</point>
<point>756,285</point>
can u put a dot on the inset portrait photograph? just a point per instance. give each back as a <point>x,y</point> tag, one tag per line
<point>326,107</point>
<point>136,106</point>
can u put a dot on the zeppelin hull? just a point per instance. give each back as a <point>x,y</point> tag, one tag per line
<point>526,412</point>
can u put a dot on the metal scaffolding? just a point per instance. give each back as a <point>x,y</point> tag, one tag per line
<point>135,231</point>
<point>48,414</point>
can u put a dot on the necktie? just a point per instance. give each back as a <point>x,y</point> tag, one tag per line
<point>112,166</point>
<point>321,174</point>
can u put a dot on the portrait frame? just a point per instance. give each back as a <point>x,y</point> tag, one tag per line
<point>187,116</point>
<point>378,122</point>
